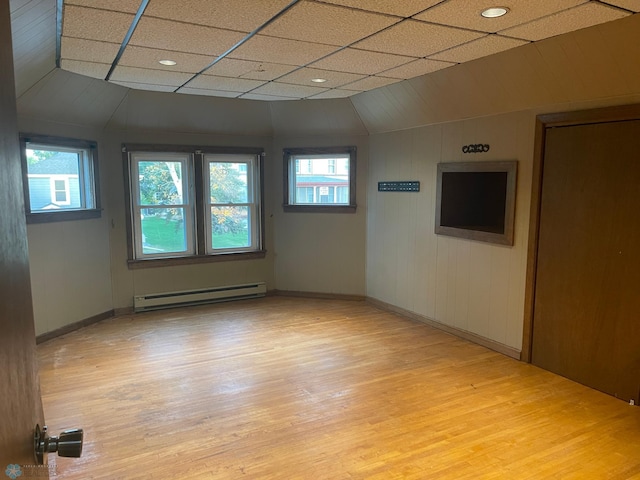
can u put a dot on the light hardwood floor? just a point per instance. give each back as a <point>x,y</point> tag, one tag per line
<point>291,388</point>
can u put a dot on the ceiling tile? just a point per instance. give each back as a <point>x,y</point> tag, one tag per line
<point>146,75</point>
<point>583,16</point>
<point>281,50</point>
<point>210,93</point>
<point>144,57</point>
<point>632,5</point>
<point>417,39</point>
<point>241,15</point>
<point>369,83</point>
<point>229,67</point>
<point>416,68</point>
<point>303,76</point>
<point>228,84</point>
<point>89,50</point>
<point>307,41</point>
<point>478,48</point>
<point>95,24</point>
<point>334,93</point>
<point>466,13</point>
<point>287,90</point>
<point>89,69</point>
<point>405,8</point>
<point>145,86</point>
<point>314,22</point>
<point>182,37</point>
<point>127,6</point>
<point>359,61</point>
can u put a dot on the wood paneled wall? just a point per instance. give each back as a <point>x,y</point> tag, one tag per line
<point>472,286</point>
<point>34,36</point>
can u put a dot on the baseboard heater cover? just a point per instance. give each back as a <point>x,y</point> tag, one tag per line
<point>155,301</point>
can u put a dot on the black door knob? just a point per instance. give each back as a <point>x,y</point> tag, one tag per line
<point>68,444</point>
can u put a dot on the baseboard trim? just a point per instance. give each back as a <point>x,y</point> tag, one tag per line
<point>318,295</point>
<point>472,337</point>
<point>58,332</point>
<point>120,312</point>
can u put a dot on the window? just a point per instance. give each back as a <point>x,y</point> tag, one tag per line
<point>320,179</point>
<point>189,205</point>
<point>60,191</point>
<point>60,178</point>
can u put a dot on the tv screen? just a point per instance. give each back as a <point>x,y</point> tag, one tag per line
<point>475,200</point>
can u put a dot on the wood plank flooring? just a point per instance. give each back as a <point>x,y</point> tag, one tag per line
<point>291,388</point>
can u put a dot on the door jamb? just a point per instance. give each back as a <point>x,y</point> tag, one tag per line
<point>543,122</point>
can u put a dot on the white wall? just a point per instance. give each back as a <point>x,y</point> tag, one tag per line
<point>320,252</point>
<point>69,261</point>
<point>129,282</point>
<point>314,253</point>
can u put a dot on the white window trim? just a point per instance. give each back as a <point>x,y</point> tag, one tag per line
<point>199,180</point>
<point>67,190</point>
<point>253,203</point>
<point>188,206</point>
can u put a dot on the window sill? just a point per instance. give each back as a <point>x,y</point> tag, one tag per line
<point>320,209</point>
<point>63,216</point>
<point>194,260</point>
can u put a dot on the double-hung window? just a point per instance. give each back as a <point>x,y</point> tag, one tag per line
<point>60,178</point>
<point>320,179</point>
<point>163,204</point>
<point>232,205</point>
<point>190,205</point>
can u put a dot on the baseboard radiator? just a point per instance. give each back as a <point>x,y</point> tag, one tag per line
<point>155,301</point>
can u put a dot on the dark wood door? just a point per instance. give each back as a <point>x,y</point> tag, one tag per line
<point>20,404</point>
<point>586,323</point>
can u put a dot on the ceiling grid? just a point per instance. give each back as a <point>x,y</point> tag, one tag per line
<point>289,50</point>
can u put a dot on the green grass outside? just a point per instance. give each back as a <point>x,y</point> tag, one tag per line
<point>163,236</point>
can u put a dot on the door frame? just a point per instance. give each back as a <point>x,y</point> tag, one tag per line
<point>543,122</point>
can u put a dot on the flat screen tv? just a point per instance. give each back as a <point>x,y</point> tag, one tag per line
<point>476,200</point>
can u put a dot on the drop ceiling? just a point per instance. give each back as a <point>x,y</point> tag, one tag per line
<point>301,49</point>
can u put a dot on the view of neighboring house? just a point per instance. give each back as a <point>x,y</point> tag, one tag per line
<point>322,180</point>
<point>54,181</point>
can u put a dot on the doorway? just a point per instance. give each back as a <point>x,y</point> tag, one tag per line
<point>584,269</point>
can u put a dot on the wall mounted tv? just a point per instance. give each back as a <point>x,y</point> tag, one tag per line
<point>476,200</point>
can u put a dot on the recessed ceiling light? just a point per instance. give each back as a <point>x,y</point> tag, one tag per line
<point>318,80</point>
<point>168,63</point>
<point>494,12</point>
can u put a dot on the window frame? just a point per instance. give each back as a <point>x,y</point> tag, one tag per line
<point>199,190</point>
<point>289,173</point>
<point>88,178</point>
<point>187,204</point>
<point>252,202</point>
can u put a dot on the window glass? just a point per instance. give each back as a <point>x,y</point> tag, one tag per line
<point>233,222</point>
<point>61,178</point>
<point>318,177</point>
<point>163,230</point>
<point>163,209</point>
<point>192,204</point>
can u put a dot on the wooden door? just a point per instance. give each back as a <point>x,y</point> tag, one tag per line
<point>20,404</point>
<point>586,321</point>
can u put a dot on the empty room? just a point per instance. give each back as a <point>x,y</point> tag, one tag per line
<point>320,239</point>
